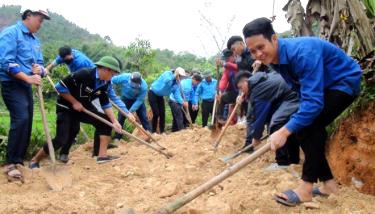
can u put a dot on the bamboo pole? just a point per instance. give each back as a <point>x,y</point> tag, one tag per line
<point>45,126</point>
<point>167,155</point>
<point>180,202</point>
<point>186,112</point>
<point>139,126</point>
<point>218,139</point>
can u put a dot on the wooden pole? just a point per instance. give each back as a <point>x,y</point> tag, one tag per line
<point>186,112</point>
<point>167,155</point>
<point>217,92</point>
<point>217,141</point>
<point>180,202</point>
<point>139,126</point>
<point>52,84</point>
<point>238,153</point>
<point>45,126</point>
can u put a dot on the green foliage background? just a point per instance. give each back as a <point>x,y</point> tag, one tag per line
<point>137,56</point>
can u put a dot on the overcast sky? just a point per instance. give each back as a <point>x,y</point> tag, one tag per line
<point>177,25</point>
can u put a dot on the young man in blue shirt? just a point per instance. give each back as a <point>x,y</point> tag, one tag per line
<point>327,81</point>
<point>133,94</point>
<point>166,84</point>
<point>87,88</point>
<point>74,59</point>
<point>206,91</point>
<point>189,86</point>
<point>21,66</point>
<point>177,104</point>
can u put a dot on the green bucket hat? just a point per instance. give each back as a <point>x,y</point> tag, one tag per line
<point>109,62</point>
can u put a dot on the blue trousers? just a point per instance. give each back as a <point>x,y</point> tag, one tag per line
<point>18,99</point>
<point>141,113</point>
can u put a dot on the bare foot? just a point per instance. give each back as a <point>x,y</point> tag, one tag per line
<point>329,187</point>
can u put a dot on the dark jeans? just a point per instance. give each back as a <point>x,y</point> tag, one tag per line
<point>18,99</point>
<point>193,115</point>
<point>178,116</point>
<point>67,127</point>
<point>141,113</point>
<point>158,111</point>
<point>228,97</point>
<point>207,107</point>
<point>313,138</point>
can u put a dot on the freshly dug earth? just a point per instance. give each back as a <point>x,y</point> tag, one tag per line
<point>145,181</point>
<point>351,152</point>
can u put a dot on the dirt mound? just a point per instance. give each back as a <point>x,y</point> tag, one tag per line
<point>351,151</point>
<point>144,181</point>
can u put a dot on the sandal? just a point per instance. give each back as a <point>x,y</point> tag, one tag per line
<point>316,192</point>
<point>292,200</point>
<point>12,173</point>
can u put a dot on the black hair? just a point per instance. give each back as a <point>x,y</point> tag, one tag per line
<point>26,13</point>
<point>64,51</point>
<point>232,40</point>
<point>259,26</point>
<point>197,77</point>
<point>240,75</point>
<point>226,54</point>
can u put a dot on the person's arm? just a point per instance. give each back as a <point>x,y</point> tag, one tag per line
<point>8,53</point>
<point>140,99</point>
<point>118,79</point>
<point>116,125</point>
<point>311,73</point>
<point>177,94</point>
<point>112,96</point>
<point>75,103</point>
<point>261,111</point>
<point>197,94</point>
<point>231,66</point>
<point>50,67</point>
<point>224,80</point>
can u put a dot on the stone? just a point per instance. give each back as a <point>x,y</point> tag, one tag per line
<point>169,190</point>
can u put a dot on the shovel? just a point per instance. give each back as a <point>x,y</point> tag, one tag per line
<point>56,183</point>
<point>139,126</point>
<point>241,151</point>
<point>166,154</point>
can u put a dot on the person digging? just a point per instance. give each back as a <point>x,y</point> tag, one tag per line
<point>75,60</point>
<point>327,81</point>
<point>84,89</point>
<point>271,102</point>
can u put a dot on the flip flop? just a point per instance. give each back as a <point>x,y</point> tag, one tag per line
<point>13,173</point>
<point>292,201</point>
<point>317,192</point>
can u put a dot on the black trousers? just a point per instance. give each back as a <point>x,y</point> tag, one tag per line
<point>193,115</point>
<point>313,138</point>
<point>67,127</point>
<point>158,111</point>
<point>207,107</point>
<point>227,98</point>
<point>178,116</point>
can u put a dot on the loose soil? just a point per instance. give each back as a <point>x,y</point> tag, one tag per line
<point>145,181</point>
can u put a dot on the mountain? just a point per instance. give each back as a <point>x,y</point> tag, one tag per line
<point>138,55</point>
